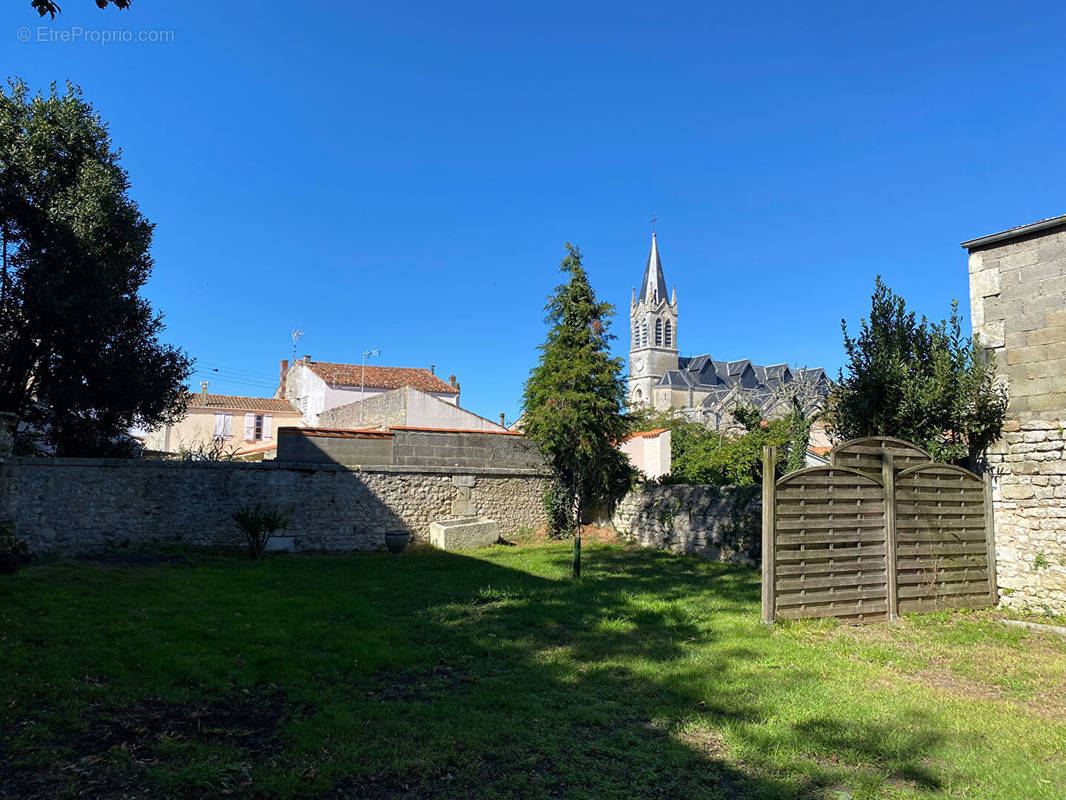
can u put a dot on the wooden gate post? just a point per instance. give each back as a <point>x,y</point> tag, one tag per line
<point>990,542</point>
<point>888,478</point>
<point>769,522</point>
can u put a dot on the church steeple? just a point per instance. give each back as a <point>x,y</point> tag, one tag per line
<point>653,331</point>
<point>653,287</point>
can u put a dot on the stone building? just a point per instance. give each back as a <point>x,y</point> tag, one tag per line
<point>242,425</point>
<point>318,386</point>
<point>704,389</point>
<point>1018,308</point>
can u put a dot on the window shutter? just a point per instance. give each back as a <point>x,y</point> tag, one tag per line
<point>227,428</point>
<point>249,427</point>
<point>220,424</point>
<point>267,420</point>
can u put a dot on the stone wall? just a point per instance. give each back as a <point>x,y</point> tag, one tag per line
<point>84,505</point>
<point>719,522</point>
<point>1018,308</point>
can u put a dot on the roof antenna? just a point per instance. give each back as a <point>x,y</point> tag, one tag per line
<point>296,335</point>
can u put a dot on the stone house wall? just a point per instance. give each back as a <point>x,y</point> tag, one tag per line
<point>719,522</point>
<point>1018,309</point>
<point>84,505</point>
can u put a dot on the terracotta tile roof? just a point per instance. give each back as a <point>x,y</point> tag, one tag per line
<point>228,402</point>
<point>819,451</point>
<point>646,434</point>
<point>380,377</point>
<point>337,433</point>
<point>454,430</point>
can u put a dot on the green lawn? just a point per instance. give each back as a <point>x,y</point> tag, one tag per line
<point>492,675</point>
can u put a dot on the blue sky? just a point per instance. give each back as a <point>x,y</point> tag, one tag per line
<point>403,175</point>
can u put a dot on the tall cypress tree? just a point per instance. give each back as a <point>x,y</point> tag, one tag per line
<point>573,397</point>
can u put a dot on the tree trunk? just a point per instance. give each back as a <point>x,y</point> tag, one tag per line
<point>577,531</point>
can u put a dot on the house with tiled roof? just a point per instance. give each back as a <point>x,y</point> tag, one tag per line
<point>242,426</point>
<point>315,387</point>
<point>706,390</point>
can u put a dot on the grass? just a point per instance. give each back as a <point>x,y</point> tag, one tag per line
<point>492,675</point>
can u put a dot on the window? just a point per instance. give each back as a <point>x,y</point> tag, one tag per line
<point>668,339</point>
<point>658,333</point>
<point>223,425</point>
<point>258,427</point>
<point>644,333</point>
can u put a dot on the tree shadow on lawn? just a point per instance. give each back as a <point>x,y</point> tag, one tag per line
<point>583,689</point>
<point>498,683</point>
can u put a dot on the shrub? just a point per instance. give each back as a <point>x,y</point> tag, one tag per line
<point>559,509</point>
<point>13,551</point>
<point>258,523</point>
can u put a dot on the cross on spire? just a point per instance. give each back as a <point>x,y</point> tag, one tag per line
<point>654,219</point>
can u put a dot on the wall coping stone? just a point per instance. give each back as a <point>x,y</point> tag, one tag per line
<point>30,461</point>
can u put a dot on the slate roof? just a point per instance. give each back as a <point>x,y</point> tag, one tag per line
<point>380,377</point>
<point>723,379</point>
<point>229,402</point>
<point>654,280</point>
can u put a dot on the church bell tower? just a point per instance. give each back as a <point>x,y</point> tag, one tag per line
<point>652,331</point>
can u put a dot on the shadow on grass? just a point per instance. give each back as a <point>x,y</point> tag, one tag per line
<point>433,675</point>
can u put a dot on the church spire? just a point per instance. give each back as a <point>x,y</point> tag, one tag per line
<point>653,287</point>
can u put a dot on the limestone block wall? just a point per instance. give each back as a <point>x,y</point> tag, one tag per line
<point>85,505</point>
<point>718,522</point>
<point>1018,308</point>
<point>451,449</point>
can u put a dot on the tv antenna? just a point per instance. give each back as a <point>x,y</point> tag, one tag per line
<point>297,334</point>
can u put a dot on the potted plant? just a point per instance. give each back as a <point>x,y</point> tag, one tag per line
<point>397,541</point>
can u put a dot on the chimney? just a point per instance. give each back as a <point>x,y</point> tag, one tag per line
<point>203,392</point>
<point>284,375</point>
<point>432,369</point>
<point>502,423</point>
<point>307,359</point>
<point>451,381</point>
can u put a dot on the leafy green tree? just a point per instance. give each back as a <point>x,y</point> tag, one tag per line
<point>573,398</point>
<point>919,381</point>
<point>699,455</point>
<point>51,8</point>
<point>80,356</point>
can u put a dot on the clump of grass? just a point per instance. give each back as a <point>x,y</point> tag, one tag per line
<point>258,523</point>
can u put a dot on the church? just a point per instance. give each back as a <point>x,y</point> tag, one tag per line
<point>703,389</point>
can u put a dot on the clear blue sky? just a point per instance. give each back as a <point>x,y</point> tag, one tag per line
<point>403,175</point>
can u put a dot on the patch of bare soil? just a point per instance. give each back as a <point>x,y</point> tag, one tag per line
<point>418,686</point>
<point>589,533</point>
<point>109,757</point>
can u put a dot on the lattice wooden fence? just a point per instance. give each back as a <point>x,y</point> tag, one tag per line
<point>881,530</point>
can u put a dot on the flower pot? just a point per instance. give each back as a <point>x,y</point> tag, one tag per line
<point>397,541</point>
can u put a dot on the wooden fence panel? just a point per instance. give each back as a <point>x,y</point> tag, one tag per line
<point>828,545</point>
<point>880,531</point>
<point>867,455</point>
<point>942,533</point>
